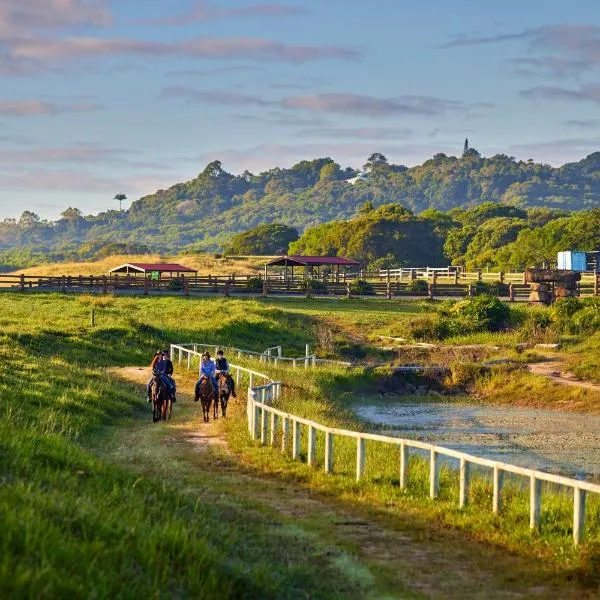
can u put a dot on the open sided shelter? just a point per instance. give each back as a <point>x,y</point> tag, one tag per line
<point>315,267</point>
<point>155,270</point>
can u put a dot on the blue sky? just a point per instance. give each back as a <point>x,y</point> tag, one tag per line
<point>101,97</point>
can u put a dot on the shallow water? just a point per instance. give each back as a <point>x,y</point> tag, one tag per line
<point>565,443</point>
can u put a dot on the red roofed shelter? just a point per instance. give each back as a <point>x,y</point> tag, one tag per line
<point>155,270</point>
<point>328,265</point>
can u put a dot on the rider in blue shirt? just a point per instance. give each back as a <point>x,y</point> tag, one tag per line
<point>209,369</point>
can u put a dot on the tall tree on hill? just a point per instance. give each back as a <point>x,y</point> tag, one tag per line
<point>120,198</point>
<point>466,147</point>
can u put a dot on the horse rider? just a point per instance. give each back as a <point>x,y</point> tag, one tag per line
<point>155,359</point>
<point>208,369</point>
<point>222,368</point>
<point>164,367</point>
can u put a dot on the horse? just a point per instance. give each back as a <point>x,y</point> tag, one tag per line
<point>225,389</point>
<point>205,393</point>
<point>162,406</point>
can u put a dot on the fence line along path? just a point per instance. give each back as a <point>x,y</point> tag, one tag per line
<point>265,422</point>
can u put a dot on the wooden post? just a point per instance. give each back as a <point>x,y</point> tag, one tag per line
<point>238,377</point>
<point>104,285</point>
<point>284,434</point>
<point>348,290</point>
<point>501,277</point>
<point>145,286</point>
<point>479,275</point>
<point>295,439</point>
<point>265,291</point>
<point>434,475</point>
<point>535,502</point>
<point>579,497</point>
<point>596,284</point>
<point>186,288</point>
<point>465,477</point>
<point>63,283</point>
<point>93,317</point>
<point>308,287</point>
<point>22,282</point>
<point>403,465</point>
<point>360,457</point>
<point>274,423</point>
<point>328,452</point>
<point>455,277</point>
<point>498,484</point>
<point>312,445</point>
<point>511,292</point>
<point>430,290</point>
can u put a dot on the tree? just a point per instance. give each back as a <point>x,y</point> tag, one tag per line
<point>28,219</point>
<point>120,198</point>
<point>366,208</point>
<point>263,240</point>
<point>376,159</point>
<point>466,147</point>
<point>72,214</point>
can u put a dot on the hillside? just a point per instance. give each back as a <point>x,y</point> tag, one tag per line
<point>205,212</point>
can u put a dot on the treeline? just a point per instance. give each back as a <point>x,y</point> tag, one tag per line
<point>205,212</point>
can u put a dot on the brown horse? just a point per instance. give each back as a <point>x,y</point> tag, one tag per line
<point>225,389</point>
<point>205,393</point>
<point>162,405</point>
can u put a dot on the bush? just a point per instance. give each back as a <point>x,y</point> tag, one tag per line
<point>465,374</point>
<point>485,313</point>
<point>538,326</point>
<point>586,320</point>
<point>175,285</point>
<point>360,287</point>
<point>254,284</point>
<point>493,288</point>
<point>316,286</point>
<point>417,286</point>
<point>429,328</point>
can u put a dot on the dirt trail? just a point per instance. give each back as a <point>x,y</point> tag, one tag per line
<point>556,371</point>
<point>415,559</point>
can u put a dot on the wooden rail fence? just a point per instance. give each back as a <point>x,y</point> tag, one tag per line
<point>272,426</point>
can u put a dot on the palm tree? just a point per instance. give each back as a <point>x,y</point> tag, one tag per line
<point>120,198</point>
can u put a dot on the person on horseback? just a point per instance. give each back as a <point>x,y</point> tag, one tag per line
<point>222,367</point>
<point>208,369</point>
<point>164,366</point>
<point>155,359</point>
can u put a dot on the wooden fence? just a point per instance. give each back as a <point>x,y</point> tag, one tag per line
<point>272,426</point>
<point>385,284</point>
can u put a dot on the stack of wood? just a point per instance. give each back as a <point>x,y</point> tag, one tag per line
<point>548,284</point>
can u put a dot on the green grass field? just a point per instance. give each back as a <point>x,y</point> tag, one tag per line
<point>80,519</point>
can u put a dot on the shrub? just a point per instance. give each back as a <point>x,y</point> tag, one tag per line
<point>586,320</point>
<point>538,327</point>
<point>417,286</point>
<point>254,284</point>
<point>485,313</point>
<point>360,287</point>
<point>431,328</point>
<point>465,374</point>
<point>492,288</point>
<point>175,285</point>
<point>316,286</point>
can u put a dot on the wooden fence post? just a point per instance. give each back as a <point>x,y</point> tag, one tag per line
<point>328,452</point>
<point>596,284</point>
<point>511,292</point>
<point>479,275</point>
<point>274,423</point>
<point>295,439</point>
<point>434,475</point>
<point>455,277</point>
<point>535,502</point>
<point>360,457</point>
<point>465,477</point>
<point>312,445</point>
<point>348,290</point>
<point>403,465</point>
<point>104,285</point>
<point>265,291</point>
<point>579,497</point>
<point>498,484</point>
<point>22,282</point>
<point>284,433</point>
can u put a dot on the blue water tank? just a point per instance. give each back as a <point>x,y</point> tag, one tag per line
<point>572,260</point>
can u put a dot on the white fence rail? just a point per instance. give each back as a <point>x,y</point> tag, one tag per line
<point>266,422</point>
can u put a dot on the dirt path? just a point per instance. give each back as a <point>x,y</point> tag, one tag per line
<point>412,559</point>
<point>556,371</point>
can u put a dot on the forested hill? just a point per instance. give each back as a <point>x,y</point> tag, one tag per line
<point>206,211</point>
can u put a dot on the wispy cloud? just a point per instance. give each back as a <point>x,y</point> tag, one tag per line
<point>586,93</point>
<point>204,11</point>
<point>48,51</point>
<point>582,123</point>
<point>555,66</point>
<point>358,133</point>
<point>220,97</point>
<point>37,108</point>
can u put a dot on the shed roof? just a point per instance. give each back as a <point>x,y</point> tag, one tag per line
<point>149,267</point>
<point>315,261</point>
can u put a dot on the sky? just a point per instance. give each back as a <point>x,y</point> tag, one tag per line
<point>100,97</point>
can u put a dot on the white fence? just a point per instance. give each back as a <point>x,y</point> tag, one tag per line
<point>265,423</point>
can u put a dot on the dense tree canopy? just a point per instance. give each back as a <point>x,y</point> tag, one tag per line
<point>263,240</point>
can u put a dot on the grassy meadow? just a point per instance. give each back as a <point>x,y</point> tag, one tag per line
<point>76,519</point>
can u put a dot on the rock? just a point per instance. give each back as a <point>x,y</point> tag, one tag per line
<point>548,346</point>
<point>544,297</point>
<point>540,287</point>
<point>560,292</point>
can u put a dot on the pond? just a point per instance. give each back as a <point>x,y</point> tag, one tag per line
<point>557,442</point>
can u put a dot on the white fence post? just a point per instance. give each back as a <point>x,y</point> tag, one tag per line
<point>284,433</point>
<point>403,465</point>
<point>579,497</point>
<point>312,445</point>
<point>360,457</point>
<point>256,422</point>
<point>535,502</point>
<point>328,452</point>
<point>263,426</point>
<point>434,475</point>
<point>189,360</point>
<point>498,484</point>
<point>274,423</point>
<point>465,472</point>
<point>238,376</point>
<point>295,439</point>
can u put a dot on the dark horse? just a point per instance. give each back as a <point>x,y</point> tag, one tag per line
<point>205,393</point>
<point>162,406</point>
<point>225,389</point>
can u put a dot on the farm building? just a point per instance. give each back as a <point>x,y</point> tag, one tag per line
<point>314,267</point>
<point>155,270</point>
